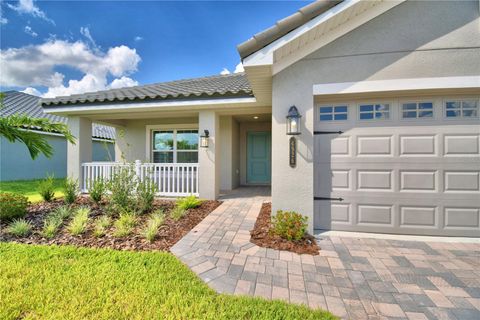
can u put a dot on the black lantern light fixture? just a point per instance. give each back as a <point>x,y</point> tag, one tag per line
<point>204,139</point>
<point>293,121</point>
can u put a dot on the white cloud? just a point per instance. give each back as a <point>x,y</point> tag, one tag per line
<point>239,68</point>
<point>138,38</point>
<point>85,31</point>
<point>3,20</point>
<point>224,71</point>
<point>34,65</point>
<point>28,7</point>
<point>122,83</point>
<point>28,30</point>
<point>32,91</point>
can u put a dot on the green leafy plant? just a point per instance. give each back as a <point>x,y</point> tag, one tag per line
<point>153,224</point>
<point>190,202</point>
<point>145,195</point>
<point>101,225</point>
<point>63,212</point>
<point>78,225</point>
<point>20,228</point>
<point>289,225</point>
<point>70,190</point>
<point>54,220</point>
<point>12,206</point>
<point>124,224</point>
<point>97,190</point>
<point>122,187</point>
<point>46,188</point>
<point>177,212</point>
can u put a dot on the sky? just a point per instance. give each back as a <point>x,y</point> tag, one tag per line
<point>54,48</point>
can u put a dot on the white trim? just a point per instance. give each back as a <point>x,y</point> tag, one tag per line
<point>459,99</point>
<point>146,105</point>
<point>150,128</point>
<point>103,140</point>
<point>61,135</point>
<point>397,85</point>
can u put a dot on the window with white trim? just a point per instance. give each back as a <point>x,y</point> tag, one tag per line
<point>461,109</point>
<point>414,110</point>
<point>379,111</point>
<point>175,146</point>
<point>333,113</point>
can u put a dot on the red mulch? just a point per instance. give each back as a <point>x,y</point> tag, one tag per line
<point>263,237</point>
<point>169,233</point>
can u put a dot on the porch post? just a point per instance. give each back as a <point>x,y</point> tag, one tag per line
<point>209,158</point>
<point>81,151</point>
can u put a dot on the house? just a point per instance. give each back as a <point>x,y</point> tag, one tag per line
<point>15,160</point>
<point>389,130</point>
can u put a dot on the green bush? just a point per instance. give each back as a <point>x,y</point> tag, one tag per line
<point>46,188</point>
<point>97,190</point>
<point>20,228</point>
<point>70,190</point>
<point>124,225</point>
<point>78,225</point>
<point>177,213</point>
<point>153,224</point>
<point>63,212</point>
<point>190,202</point>
<point>289,225</point>
<point>145,195</point>
<point>54,220</point>
<point>12,206</point>
<point>101,225</point>
<point>122,187</point>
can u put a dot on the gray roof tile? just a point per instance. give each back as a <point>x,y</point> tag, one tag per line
<point>16,102</point>
<point>232,85</point>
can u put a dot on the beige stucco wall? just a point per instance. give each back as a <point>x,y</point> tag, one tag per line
<point>416,39</point>
<point>244,128</point>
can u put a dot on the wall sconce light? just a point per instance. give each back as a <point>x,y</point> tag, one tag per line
<point>293,121</point>
<point>204,139</point>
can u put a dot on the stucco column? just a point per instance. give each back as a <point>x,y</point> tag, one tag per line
<point>81,151</point>
<point>209,158</point>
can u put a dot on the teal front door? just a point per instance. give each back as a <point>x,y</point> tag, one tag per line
<point>259,157</point>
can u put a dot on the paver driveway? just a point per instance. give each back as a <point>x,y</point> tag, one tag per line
<point>354,278</point>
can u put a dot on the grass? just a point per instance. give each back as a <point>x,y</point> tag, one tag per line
<point>154,222</point>
<point>100,226</point>
<point>50,282</point>
<point>124,225</point>
<point>20,228</point>
<point>177,212</point>
<point>54,220</point>
<point>29,188</point>
<point>78,224</point>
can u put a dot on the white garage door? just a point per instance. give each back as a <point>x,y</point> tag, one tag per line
<point>400,166</point>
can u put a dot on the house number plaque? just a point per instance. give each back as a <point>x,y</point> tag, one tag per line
<point>293,152</point>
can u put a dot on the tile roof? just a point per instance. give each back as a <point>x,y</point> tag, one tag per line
<point>231,85</point>
<point>16,102</point>
<point>284,26</point>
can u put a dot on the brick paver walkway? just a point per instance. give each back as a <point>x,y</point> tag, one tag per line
<point>354,278</point>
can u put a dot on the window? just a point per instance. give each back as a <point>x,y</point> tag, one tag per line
<point>413,110</point>
<point>175,146</point>
<point>329,113</point>
<point>461,109</point>
<point>374,111</point>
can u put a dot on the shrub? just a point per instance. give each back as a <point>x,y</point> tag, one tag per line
<point>46,188</point>
<point>101,225</point>
<point>189,202</point>
<point>62,212</point>
<point>122,187</point>
<point>78,225</point>
<point>124,225</point>
<point>145,194</point>
<point>177,212</point>
<point>54,220</point>
<point>289,225</point>
<point>12,206</point>
<point>97,190</point>
<point>70,190</point>
<point>153,224</point>
<point>20,228</point>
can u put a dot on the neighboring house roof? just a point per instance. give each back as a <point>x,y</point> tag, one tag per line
<point>232,85</point>
<point>284,26</point>
<point>16,102</point>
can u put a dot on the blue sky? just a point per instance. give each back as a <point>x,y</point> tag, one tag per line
<point>65,47</point>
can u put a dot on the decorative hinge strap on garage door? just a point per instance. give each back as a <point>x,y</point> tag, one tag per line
<point>327,132</point>
<point>324,198</point>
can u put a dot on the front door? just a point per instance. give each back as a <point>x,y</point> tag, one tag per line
<point>259,157</point>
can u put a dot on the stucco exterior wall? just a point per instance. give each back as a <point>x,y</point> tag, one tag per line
<point>416,39</point>
<point>16,163</point>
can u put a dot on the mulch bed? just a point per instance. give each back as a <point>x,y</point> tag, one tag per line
<point>169,233</point>
<point>262,237</point>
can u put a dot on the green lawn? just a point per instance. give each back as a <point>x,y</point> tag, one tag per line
<point>29,188</point>
<point>51,282</point>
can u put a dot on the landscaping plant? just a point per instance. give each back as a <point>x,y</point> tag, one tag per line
<point>46,188</point>
<point>122,187</point>
<point>54,220</point>
<point>97,190</point>
<point>190,202</point>
<point>145,195</point>
<point>177,213</point>
<point>124,225</point>
<point>153,224</point>
<point>101,225</point>
<point>70,190</point>
<point>289,225</point>
<point>78,225</point>
<point>20,228</point>
<point>12,206</point>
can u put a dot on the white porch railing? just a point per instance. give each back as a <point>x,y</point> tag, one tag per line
<point>171,179</point>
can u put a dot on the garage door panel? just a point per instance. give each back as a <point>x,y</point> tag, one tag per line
<point>462,145</point>
<point>418,145</point>
<point>374,146</point>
